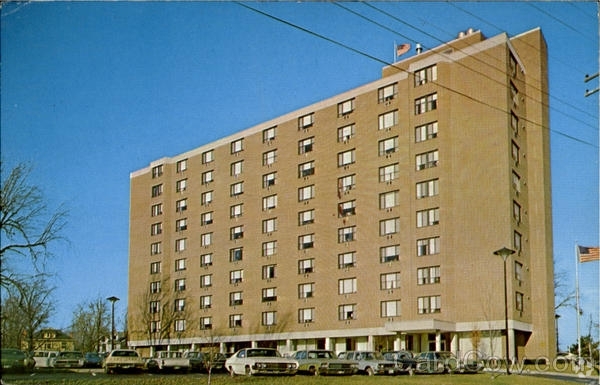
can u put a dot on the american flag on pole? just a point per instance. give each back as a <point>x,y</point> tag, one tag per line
<point>588,254</point>
<point>401,49</point>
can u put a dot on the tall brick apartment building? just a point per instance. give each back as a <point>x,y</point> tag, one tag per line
<point>364,221</point>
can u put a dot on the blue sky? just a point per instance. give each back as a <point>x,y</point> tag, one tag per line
<point>92,91</point>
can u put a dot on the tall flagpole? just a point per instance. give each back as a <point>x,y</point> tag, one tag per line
<point>577,300</point>
<point>395,51</point>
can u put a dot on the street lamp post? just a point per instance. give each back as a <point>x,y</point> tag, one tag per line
<point>112,299</point>
<point>504,253</point>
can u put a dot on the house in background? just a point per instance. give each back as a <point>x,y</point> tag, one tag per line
<point>52,339</point>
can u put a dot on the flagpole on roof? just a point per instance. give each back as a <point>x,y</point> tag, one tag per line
<point>395,51</point>
<point>577,300</point>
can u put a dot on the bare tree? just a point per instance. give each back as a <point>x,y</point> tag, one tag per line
<point>27,226</point>
<point>563,295</point>
<point>91,320</point>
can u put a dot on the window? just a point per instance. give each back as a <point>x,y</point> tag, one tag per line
<point>206,218</point>
<point>269,225</point>
<point>387,93</point>
<point>514,123</point>
<point>181,185</point>
<point>236,211</point>
<point>235,321</point>
<point>519,272</point>
<point>155,248</point>
<point>269,179</point>
<point>306,217</point>
<point>180,264</point>
<point>180,284</point>
<point>426,132</point>
<point>347,234</point>
<point>389,253</point>
<point>206,239</point>
<point>389,226</point>
<point>306,241</point>
<point>388,120</point>
<point>389,173</point>
<point>306,145</point>
<point>432,304</point>
<point>205,323</point>
<point>388,146</point>
<point>306,266</point>
<point>269,294</point>
<point>154,307</point>
<point>181,224</point>
<point>237,146</point>
<point>306,290</point>
<point>269,248</point>
<point>390,308</point>
<point>156,228</point>
<point>306,315</point>
<point>269,318</point>
<point>515,153</point>
<point>236,254</point>
<point>428,217</point>
<point>206,198</point>
<point>154,326</point>
<point>428,246</point>
<point>155,287</point>
<point>346,260</point>
<point>514,93</point>
<point>345,107</point>
<point>427,188</point>
<point>346,312</point>
<point>236,168</point>
<point>389,281</point>
<point>155,268</point>
<point>157,190</point>
<point>180,244</point>
<point>236,276</point>
<point>236,189</point>
<point>269,157</point>
<point>205,301</point>
<point>269,134</point>
<point>519,301</point>
<point>512,65</point>
<point>181,205</point>
<point>179,304</point>
<point>389,199</point>
<point>425,75</point>
<point>157,171</point>
<point>347,286</point>
<point>206,280</point>
<point>236,232</point>
<point>427,160</point>
<point>208,176</point>
<point>270,202</point>
<point>306,121</point>
<point>206,260</point>
<point>306,193</point>
<point>345,133</point>
<point>517,242</point>
<point>425,104</point>
<point>207,157</point>
<point>345,184</point>
<point>346,158</point>
<point>157,209</point>
<point>306,169</point>
<point>516,181</point>
<point>517,212</point>
<point>428,275</point>
<point>268,272</point>
<point>347,208</point>
<point>236,298</point>
<point>181,165</point>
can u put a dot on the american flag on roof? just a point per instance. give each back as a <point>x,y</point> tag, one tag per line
<point>401,49</point>
<point>588,254</point>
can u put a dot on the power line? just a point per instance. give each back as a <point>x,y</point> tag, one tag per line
<point>352,49</point>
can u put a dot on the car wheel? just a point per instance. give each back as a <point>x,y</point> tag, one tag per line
<point>231,372</point>
<point>248,371</point>
<point>313,371</point>
<point>370,371</point>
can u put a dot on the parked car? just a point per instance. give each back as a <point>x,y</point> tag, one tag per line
<point>69,359</point>
<point>44,358</point>
<point>123,360</point>
<point>252,361</point>
<point>371,362</point>
<point>404,360</point>
<point>13,360</point>
<point>445,362</point>
<point>323,362</point>
<point>168,361</point>
<point>92,360</point>
<point>203,361</point>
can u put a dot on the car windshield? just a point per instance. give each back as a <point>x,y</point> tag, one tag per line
<point>124,353</point>
<point>320,354</point>
<point>263,353</point>
<point>370,356</point>
<point>70,355</point>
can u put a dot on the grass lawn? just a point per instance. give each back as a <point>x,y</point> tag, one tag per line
<point>197,379</point>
